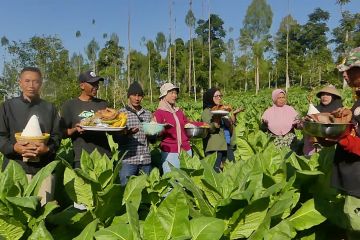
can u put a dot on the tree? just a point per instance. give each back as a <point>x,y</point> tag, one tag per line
<point>91,52</point>
<point>314,39</point>
<point>254,36</point>
<point>190,22</point>
<point>217,34</point>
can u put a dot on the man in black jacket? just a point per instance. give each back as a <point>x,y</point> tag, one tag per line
<point>14,115</point>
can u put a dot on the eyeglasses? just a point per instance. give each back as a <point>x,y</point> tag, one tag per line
<point>218,96</point>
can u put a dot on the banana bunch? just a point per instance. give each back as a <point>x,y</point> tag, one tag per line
<point>121,120</point>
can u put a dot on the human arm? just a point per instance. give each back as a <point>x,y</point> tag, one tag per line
<point>6,146</point>
<point>213,120</point>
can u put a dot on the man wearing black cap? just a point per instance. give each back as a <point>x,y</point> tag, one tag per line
<point>135,143</point>
<point>74,110</point>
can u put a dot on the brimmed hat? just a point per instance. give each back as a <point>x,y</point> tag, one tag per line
<point>329,89</point>
<point>165,88</point>
<point>351,60</point>
<point>89,77</point>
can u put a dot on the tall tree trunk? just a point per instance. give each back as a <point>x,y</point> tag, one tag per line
<point>287,53</point>
<point>170,41</point>
<point>269,75</point>
<point>150,82</point>
<point>174,51</point>
<point>209,41</point>
<point>257,76</point>
<point>193,66</point>
<point>129,50</point>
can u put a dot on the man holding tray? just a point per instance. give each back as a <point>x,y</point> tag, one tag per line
<point>84,106</point>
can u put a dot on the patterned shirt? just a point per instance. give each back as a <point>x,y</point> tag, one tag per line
<point>136,145</point>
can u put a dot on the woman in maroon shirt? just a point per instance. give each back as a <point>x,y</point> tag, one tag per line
<point>174,138</point>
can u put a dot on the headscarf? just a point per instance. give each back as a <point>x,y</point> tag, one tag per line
<point>332,106</point>
<point>208,101</point>
<point>280,119</point>
<point>166,106</point>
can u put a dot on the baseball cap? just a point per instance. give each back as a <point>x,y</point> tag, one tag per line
<point>89,77</point>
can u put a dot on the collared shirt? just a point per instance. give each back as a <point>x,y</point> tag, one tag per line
<point>136,145</point>
<point>14,115</point>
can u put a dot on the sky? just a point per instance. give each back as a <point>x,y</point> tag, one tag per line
<point>22,19</point>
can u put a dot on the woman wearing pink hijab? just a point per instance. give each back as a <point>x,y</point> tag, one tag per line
<point>280,119</point>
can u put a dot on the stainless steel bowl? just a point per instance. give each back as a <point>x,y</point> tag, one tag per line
<point>197,132</point>
<point>326,130</point>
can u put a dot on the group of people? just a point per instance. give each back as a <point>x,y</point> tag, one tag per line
<point>133,142</point>
<point>281,119</point>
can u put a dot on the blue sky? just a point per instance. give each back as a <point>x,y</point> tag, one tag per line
<point>22,19</point>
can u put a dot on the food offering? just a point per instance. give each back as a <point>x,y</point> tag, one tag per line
<point>32,134</point>
<point>108,119</point>
<point>197,129</point>
<point>221,110</point>
<point>327,125</point>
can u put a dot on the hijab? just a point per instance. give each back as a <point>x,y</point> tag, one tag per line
<point>208,101</point>
<point>332,106</point>
<point>280,119</point>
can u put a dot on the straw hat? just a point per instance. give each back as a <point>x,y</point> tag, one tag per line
<point>329,89</point>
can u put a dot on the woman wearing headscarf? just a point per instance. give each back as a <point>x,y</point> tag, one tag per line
<point>174,138</point>
<point>280,119</point>
<point>221,138</point>
<point>330,100</point>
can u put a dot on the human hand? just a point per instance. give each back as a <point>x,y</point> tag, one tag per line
<point>344,114</point>
<point>133,130</point>
<point>26,149</point>
<point>78,128</point>
<point>237,111</point>
<point>41,149</point>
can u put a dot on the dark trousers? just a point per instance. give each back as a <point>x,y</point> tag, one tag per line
<point>221,156</point>
<point>128,170</point>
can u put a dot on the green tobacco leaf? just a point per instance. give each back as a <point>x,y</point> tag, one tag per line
<point>40,232</point>
<point>173,214</point>
<point>105,207</point>
<point>211,159</point>
<point>282,231</point>
<point>47,209</point>
<point>13,180</point>
<point>114,232</point>
<point>10,228</point>
<point>88,232</point>
<point>27,202</point>
<point>36,181</point>
<point>204,228</point>
<point>244,149</point>
<point>188,162</point>
<point>306,217</point>
<point>133,218</point>
<point>188,183</point>
<point>78,188</point>
<point>153,229</point>
<point>250,219</point>
<point>133,190</point>
<point>211,177</point>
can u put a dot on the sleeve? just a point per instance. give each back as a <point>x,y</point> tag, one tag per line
<point>66,116</point>
<point>207,117</point>
<point>350,144</point>
<point>158,116</point>
<point>56,134</point>
<point>6,147</point>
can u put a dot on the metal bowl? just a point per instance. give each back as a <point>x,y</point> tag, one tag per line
<point>327,130</point>
<point>196,132</point>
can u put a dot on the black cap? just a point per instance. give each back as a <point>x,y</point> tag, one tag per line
<point>90,77</point>
<point>135,88</point>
